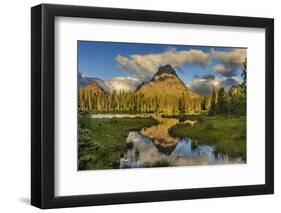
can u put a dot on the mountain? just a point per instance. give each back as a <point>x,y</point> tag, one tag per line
<point>84,81</point>
<point>166,82</point>
<point>164,93</point>
<point>94,87</point>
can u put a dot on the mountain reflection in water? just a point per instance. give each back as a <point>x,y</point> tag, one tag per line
<point>155,143</point>
<point>160,136</point>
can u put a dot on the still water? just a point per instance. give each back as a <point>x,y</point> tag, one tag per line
<point>183,153</point>
<point>155,144</point>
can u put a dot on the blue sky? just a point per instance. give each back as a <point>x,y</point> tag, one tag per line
<point>111,60</point>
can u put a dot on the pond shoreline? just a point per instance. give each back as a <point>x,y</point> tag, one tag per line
<point>120,115</point>
<point>110,132</point>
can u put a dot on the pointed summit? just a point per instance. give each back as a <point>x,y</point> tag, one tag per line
<point>165,81</point>
<point>164,71</point>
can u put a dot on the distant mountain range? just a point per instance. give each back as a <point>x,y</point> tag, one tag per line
<point>164,82</point>
<point>164,93</point>
<point>95,87</point>
<point>84,80</point>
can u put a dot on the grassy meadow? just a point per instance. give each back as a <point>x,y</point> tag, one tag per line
<point>143,105</point>
<point>226,133</point>
<point>103,141</point>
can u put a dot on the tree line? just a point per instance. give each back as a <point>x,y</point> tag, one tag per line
<point>232,102</point>
<point>100,101</point>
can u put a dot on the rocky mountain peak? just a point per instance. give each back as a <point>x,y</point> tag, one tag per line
<point>166,70</point>
<point>165,81</point>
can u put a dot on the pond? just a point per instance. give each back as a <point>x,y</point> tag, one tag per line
<point>155,147</point>
<point>145,152</point>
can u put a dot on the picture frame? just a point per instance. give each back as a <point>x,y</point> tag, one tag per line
<point>43,114</point>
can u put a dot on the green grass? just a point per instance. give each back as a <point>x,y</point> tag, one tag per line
<point>109,135</point>
<point>227,134</point>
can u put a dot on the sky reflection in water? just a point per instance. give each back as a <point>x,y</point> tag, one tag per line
<point>155,143</point>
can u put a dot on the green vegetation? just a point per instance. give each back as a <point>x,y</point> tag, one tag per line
<point>218,119</point>
<point>233,102</point>
<point>164,93</point>
<point>102,140</point>
<point>91,99</point>
<point>228,134</point>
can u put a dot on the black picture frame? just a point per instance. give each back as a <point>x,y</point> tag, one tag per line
<point>43,102</point>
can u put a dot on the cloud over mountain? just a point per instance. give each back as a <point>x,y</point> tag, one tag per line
<point>205,86</point>
<point>84,80</point>
<point>123,83</point>
<point>145,66</point>
<point>214,68</point>
<point>228,62</point>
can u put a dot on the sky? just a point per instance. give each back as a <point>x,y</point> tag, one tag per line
<point>123,66</point>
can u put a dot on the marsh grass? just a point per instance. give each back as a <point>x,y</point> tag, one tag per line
<point>109,135</point>
<point>227,134</point>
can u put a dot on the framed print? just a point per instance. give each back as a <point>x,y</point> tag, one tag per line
<point>140,106</point>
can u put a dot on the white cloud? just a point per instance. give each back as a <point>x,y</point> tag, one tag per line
<point>219,68</point>
<point>237,56</point>
<point>229,62</point>
<point>145,66</point>
<point>123,83</point>
<point>205,86</point>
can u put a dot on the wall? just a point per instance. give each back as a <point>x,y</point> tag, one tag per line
<point>15,105</point>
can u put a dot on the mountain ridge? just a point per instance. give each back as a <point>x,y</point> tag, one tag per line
<point>164,93</point>
<point>84,81</point>
<point>164,82</point>
<point>94,87</point>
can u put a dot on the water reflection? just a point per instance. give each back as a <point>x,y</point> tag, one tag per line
<point>155,144</point>
<point>185,153</point>
<point>160,136</point>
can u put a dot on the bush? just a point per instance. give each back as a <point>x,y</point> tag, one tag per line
<point>87,149</point>
<point>84,120</point>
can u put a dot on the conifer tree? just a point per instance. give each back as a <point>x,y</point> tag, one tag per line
<point>222,102</point>
<point>213,102</point>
